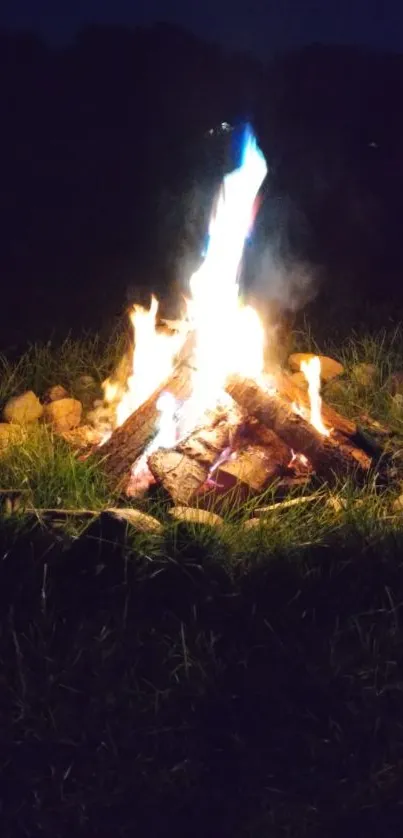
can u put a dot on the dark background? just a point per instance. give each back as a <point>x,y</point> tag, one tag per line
<point>107,173</point>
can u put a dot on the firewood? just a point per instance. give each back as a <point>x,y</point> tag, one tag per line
<point>329,456</point>
<point>129,441</point>
<point>256,465</point>
<point>184,470</point>
<point>179,474</point>
<point>291,392</point>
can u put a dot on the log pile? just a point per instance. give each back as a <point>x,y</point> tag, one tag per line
<point>258,441</point>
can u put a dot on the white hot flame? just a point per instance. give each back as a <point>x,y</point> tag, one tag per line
<point>229,336</point>
<point>311,370</point>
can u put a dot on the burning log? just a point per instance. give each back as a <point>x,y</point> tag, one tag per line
<point>232,452</point>
<point>129,441</point>
<point>328,455</point>
<point>290,391</point>
<point>184,470</point>
<point>263,457</point>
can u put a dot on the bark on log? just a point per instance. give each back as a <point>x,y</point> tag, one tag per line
<point>329,456</point>
<point>129,441</point>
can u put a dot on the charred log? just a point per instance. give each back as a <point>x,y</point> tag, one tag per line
<point>330,456</point>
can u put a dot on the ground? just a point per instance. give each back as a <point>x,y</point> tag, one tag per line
<point>201,682</point>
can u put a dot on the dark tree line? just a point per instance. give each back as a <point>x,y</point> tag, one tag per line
<point>107,173</point>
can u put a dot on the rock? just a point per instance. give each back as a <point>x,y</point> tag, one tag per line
<point>55,393</point>
<point>64,414</point>
<point>140,521</point>
<point>299,379</point>
<point>329,368</point>
<point>10,434</point>
<point>23,409</point>
<point>394,384</point>
<point>365,375</point>
<point>196,516</point>
<point>397,505</point>
<point>397,401</point>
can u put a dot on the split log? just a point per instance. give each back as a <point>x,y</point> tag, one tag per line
<point>252,457</point>
<point>256,466</point>
<point>329,456</point>
<point>184,470</point>
<point>179,474</point>
<point>129,441</point>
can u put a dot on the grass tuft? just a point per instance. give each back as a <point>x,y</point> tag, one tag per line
<point>45,467</point>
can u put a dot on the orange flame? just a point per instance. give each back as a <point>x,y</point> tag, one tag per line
<point>229,336</point>
<point>151,362</point>
<point>311,370</point>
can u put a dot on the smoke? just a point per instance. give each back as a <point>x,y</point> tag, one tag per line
<point>288,283</point>
<point>277,269</point>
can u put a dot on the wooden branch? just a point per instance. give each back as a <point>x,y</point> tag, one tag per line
<point>329,456</point>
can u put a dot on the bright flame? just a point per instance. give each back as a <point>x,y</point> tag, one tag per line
<point>166,437</point>
<point>311,370</point>
<point>229,336</point>
<point>152,360</point>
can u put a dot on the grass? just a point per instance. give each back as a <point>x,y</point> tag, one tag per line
<point>205,682</point>
<point>44,365</point>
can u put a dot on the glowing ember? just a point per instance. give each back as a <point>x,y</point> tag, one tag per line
<point>311,370</point>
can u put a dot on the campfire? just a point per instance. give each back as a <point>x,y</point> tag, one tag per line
<point>196,409</point>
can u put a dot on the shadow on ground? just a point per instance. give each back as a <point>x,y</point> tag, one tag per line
<point>187,695</point>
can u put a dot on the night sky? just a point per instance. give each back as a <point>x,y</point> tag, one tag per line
<point>260,26</point>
